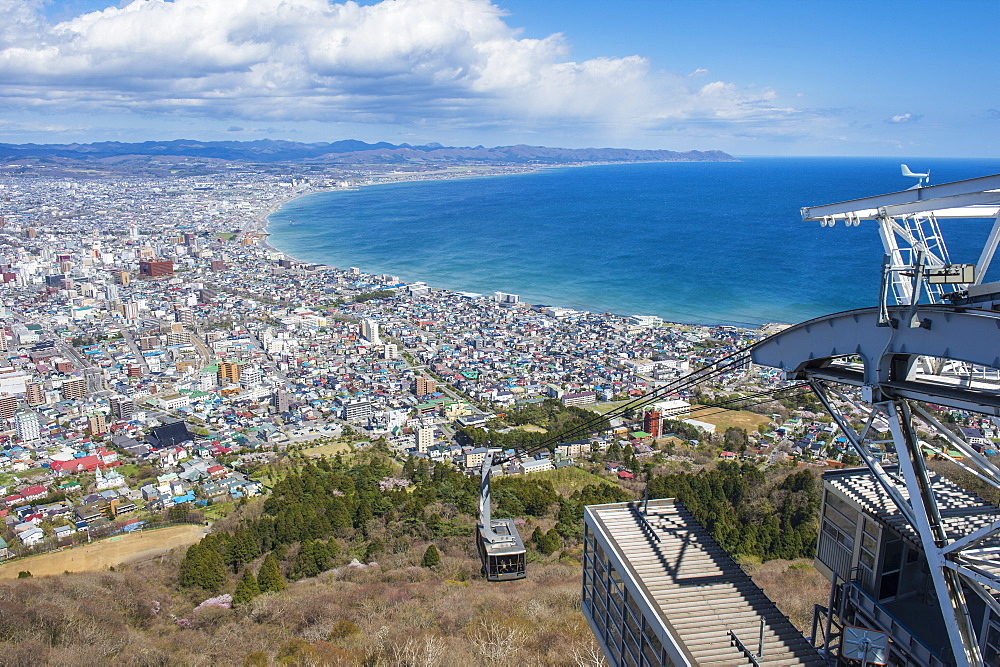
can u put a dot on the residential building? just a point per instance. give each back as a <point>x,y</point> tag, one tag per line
<point>579,398</point>
<point>122,407</point>
<point>97,424</point>
<point>73,388</point>
<point>369,330</point>
<point>250,375</point>
<point>424,385</point>
<point>425,438</point>
<point>27,426</point>
<point>357,410</point>
<point>8,406</point>
<point>536,465</point>
<point>279,400</point>
<point>34,393</point>
<point>229,372</point>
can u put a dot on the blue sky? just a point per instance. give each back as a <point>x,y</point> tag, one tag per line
<point>765,77</point>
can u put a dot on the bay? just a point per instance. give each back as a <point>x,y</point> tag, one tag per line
<point>709,243</point>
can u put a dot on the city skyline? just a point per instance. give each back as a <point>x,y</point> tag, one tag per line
<point>763,78</point>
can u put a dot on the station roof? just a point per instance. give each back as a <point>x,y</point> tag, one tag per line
<point>699,591</point>
<point>961,511</point>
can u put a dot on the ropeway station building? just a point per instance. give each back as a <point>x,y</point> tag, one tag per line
<point>879,571</point>
<point>658,590</point>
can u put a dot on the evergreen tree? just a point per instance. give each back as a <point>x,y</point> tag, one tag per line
<point>247,589</point>
<point>614,450</point>
<point>203,567</point>
<point>551,543</point>
<point>269,576</point>
<point>431,556</point>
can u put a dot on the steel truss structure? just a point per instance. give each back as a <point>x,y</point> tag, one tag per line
<point>887,361</point>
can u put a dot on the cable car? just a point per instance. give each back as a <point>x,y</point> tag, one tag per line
<point>498,543</point>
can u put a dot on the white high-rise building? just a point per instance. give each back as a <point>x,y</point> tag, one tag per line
<point>28,428</point>
<point>425,438</point>
<point>251,375</point>
<point>505,299</point>
<point>369,329</point>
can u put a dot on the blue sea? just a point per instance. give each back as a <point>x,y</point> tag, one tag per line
<point>708,243</point>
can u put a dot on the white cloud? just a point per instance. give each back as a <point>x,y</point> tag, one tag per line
<point>701,71</point>
<point>904,118</point>
<point>423,62</point>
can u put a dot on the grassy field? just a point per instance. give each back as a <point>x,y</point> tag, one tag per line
<point>108,552</point>
<point>328,450</point>
<point>605,408</point>
<point>795,586</point>
<point>569,479</point>
<point>725,419</point>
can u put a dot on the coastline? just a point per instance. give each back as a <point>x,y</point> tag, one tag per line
<point>261,221</point>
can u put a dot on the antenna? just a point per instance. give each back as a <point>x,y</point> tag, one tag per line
<point>924,178</point>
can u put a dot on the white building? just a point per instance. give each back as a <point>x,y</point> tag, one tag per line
<point>425,438</point>
<point>536,465</point>
<point>356,410</point>
<point>27,426</point>
<point>646,320</point>
<point>369,330</point>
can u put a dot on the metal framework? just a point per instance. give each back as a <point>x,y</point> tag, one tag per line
<point>893,355</point>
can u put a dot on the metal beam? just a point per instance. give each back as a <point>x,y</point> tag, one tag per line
<point>967,203</point>
<point>986,257</point>
<point>984,463</point>
<point>947,585</point>
<point>947,333</point>
<point>972,538</point>
<point>928,195</point>
<point>881,476</point>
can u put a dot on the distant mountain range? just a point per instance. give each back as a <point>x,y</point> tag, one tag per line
<point>347,152</point>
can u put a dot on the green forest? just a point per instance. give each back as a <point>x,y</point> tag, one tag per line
<point>560,423</point>
<point>333,511</point>
<point>746,513</point>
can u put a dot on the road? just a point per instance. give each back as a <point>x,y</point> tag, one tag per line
<point>130,341</point>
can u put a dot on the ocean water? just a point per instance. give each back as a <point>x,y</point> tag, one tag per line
<point>710,243</point>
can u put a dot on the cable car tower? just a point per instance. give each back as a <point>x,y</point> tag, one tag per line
<point>929,342</point>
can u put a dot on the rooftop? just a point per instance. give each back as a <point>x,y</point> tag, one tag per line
<point>698,590</point>
<point>962,512</point>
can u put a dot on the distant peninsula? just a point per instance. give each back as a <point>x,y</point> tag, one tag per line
<point>345,152</point>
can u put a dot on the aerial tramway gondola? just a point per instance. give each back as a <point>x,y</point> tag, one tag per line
<point>500,548</point>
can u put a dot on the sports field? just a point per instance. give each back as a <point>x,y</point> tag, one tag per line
<point>107,552</point>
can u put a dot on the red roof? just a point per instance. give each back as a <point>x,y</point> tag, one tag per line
<point>36,490</point>
<point>76,465</point>
<point>625,474</point>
